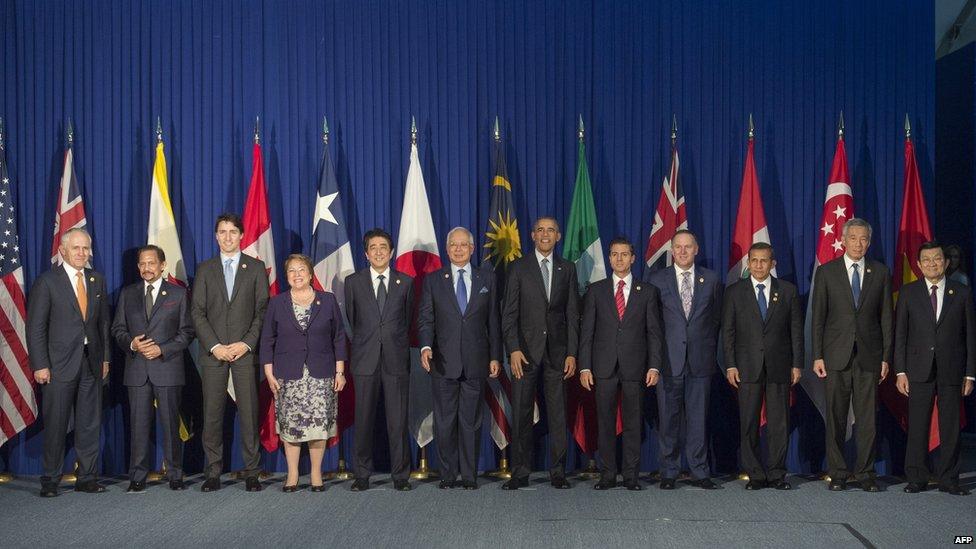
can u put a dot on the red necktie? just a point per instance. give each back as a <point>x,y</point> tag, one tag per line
<point>621,305</point>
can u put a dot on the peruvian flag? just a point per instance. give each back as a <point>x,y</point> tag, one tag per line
<point>669,218</point>
<point>257,242</point>
<point>913,231</point>
<point>838,208</point>
<point>417,255</point>
<point>750,223</point>
<point>70,210</point>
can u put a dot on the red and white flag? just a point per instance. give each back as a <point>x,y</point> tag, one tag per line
<point>70,210</point>
<point>18,404</point>
<point>750,222</point>
<point>417,255</point>
<point>669,218</point>
<point>838,209</point>
<point>258,242</point>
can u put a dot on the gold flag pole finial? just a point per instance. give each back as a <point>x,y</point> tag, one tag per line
<point>325,130</point>
<point>752,128</point>
<point>908,128</point>
<point>580,133</point>
<point>496,132</point>
<point>159,130</point>
<point>70,133</point>
<point>840,127</point>
<point>674,129</point>
<point>413,130</point>
<point>257,130</point>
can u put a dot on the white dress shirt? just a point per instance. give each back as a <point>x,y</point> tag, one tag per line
<point>467,278</point>
<point>766,284</point>
<point>691,278</point>
<point>376,279</point>
<point>73,278</point>
<point>848,262</point>
<point>628,280</point>
<point>538,258</point>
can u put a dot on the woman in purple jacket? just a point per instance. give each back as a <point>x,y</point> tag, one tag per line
<point>303,349</point>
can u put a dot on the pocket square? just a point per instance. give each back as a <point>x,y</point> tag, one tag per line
<point>484,290</point>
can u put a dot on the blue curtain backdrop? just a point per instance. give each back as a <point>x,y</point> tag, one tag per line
<point>209,68</point>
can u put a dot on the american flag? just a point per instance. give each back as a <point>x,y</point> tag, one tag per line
<point>669,218</point>
<point>70,212</point>
<point>18,405</point>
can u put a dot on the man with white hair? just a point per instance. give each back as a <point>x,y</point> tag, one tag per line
<point>459,329</point>
<point>67,339</point>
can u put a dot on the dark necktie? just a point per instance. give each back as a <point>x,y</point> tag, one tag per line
<point>462,292</point>
<point>381,293</point>
<point>856,285</point>
<point>763,306</point>
<point>935,301</point>
<point>149,300</point>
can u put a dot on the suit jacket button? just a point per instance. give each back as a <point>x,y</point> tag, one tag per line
<point>932,348</point>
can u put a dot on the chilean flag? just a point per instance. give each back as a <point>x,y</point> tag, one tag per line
<point>257,242</point>
<point>417,255</point>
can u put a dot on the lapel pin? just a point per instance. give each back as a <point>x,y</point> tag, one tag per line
<point>164,292</point>
<point>775,298</point>
<point>447,275</point>
<point>91,279</point>
<point>701,280</point>
<point>559,268</point>
<point>317,302</point>
<point>950,292</point>
<point>867,270</point>
<point>398,281</point>
<point>98,295</point>
<point>243,265</point>
<point>637,288</point>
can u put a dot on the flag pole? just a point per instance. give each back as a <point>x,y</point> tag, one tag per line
<point>591,471</point>
<point>503,471</point>
<point>4,476</point>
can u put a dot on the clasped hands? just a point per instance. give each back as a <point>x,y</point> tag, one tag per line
<point>231,352</point>
<point>146,347</point>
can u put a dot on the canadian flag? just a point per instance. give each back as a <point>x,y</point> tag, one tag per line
<point>417,255</point>
<point>257,242</point>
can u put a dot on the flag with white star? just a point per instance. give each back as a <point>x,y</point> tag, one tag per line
<point>838,208</point>
<point>332,257</point>
<point>18,405</point>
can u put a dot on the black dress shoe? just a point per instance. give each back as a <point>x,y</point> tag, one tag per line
<point>667,484</point>
<point>755,485</point>
<point>289,489</point>
<point>90,487</point>
<point>359,485</point>
<point>252,484</point>
<point>559,483</point>
<point>954,490</point>
<point>704,484</point>
<point>869,485</point>
<point>136,488</point>
<point>914,487</point>
<point>211,485</point>
<point>49,490</point>
<point>402,485</point>
<point>605,484</point>
<point>445,484</point>
<point>515,483</point>
<point>469,484</point>
<point>836,485</point>
<point>780,484</point>
<point>633,485</point>
<point>317,488</point>
<point>177,485</point>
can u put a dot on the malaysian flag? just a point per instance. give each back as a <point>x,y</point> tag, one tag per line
<point>18,405</point>
<point>332,257</point>
<point>70,212</point>
<point>670,216</point>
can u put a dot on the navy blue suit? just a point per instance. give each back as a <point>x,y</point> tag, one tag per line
<point>463,345</point>
<point>691,346</point>
<point>289,348</point>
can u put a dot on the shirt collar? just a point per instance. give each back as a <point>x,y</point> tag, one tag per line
<point>848,262</point>
<point>539,257</point>
<point>678,270</point>
<point>767,284</point>
<point>236,258</point>
<point>627,280</point>
<point>941,284</point>
<point>72,272</point>
<point>156,285</point>
<point>374,274</point>
<point>455,269</point>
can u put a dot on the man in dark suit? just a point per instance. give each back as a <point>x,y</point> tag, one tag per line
<point>852,346</point>
<point>935,354</point>
<point>379,306</point>
<point>540,321</point>
<point>230,295</point>
<point>620,352</point>
<point>459,330</point>
<point>67,340</point>
<point>762,332</point>
<point>691,310</point>
<point>153,327</point>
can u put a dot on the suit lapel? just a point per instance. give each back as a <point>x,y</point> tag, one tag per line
<point>536,273</point>
<point>771,305</point>
<point>238,277</point>
<point>68,289</point>
<point>948,296</point>
<point>314,309</point>
<point>447,278</point>
<point>161,296</point>
<point>476,280</point>
<point>672,283</point>
<point>636,289</point>
<point>698,285</point>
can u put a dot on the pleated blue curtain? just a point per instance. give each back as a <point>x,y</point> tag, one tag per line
<point>207,69</point>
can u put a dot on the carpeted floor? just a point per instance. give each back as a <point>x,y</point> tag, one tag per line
<point>539,516</point>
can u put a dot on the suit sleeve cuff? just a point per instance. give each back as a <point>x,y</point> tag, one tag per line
<point>425,348</point>
<point>214,347</point>
<point>970,378</point>
<point>584,370</point>
<point>900,374</point>
<point>249,349</point>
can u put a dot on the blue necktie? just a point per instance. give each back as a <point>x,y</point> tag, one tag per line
<point>856,285</point>
<point>229,277</point>
<point>763,306</point>
<point>462,292</point>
